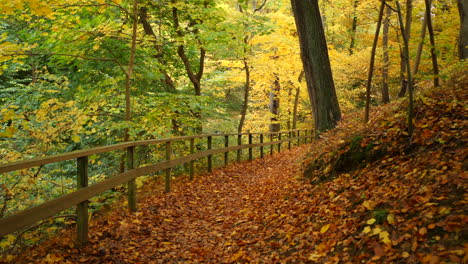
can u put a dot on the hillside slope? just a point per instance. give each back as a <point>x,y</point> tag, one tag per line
<point>409,202</point>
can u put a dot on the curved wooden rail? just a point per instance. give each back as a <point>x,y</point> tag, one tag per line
<point>80,197</point>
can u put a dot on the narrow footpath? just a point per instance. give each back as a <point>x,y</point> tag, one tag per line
<point>237,213</point>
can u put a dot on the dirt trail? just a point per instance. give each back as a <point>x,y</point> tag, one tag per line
<point>233,213</point>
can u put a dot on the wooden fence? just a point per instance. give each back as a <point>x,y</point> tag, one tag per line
<point>79,198</point>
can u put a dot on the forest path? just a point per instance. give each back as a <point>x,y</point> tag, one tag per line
<point>236,212</point>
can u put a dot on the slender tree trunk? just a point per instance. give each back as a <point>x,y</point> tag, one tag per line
<point>296,104</point>
<point>410,79</point>
<point>372,59</point>
<point>296,100</point>
<point>435,66</point>
<point>314,54</point>
<point>128,77</point>
<point>167,80</point>
<point>194,76</point>
<point>417,60</point>
<point>129,73</point>
<point>290,107</point>
<point>407,33</point>
<point>353,28</point>
<point>246,95</point>
<point>386,61</point>
<point>463,38</point>
<point>275,126</point>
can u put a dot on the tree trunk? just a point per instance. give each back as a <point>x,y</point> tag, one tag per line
<point>463,38</point>
<point>143,19</point>
<point>246,95</point>
<point>296,104</point>
<point>407,34</point>
<point>194,77</point>
<point>275,126</point>
<point>410,79</point>
<point>435,66</point>
<point>129,73</point>
<point>352,43</point>
<point>314,54</point>
<point>128,77</point>
<point>372,59</point>
<point>386,61</point>
<point>290,106</point>
<point>417,60</point>
<point>296,100</point>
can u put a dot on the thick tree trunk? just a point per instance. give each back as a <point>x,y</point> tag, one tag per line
<point>275,126</point>
<point>435,66</point>
<point>386,60</point>
<point>314,54</point>
<point>463,39</point>
<point>372,59</point>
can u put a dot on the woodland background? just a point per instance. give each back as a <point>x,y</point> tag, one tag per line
<point>78,74</point>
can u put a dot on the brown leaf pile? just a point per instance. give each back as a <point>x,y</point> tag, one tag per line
<point>409,207</point>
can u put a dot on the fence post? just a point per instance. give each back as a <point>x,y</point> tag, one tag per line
<point>82,208</point>
<point>131,196</point>
<point>167,179</point>
<point>239,151</point>
<point>226,154</point>
<point>271,145</point>
<point>250,148</point>
<point>192,150</point>
<point>210,157</point>
<point>290,134</point>
<point>279,143</point>
<point>261,147</point>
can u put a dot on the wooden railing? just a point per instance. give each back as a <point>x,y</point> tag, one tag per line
<point>79,198</point>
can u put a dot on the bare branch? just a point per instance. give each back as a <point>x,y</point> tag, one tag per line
<point>261,6</point>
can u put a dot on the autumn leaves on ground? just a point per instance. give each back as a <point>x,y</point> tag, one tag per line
<point>409,206</point>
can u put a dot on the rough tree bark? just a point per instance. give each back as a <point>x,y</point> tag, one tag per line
<point>314,54</point>
<point>372,60</point>
<point>463,39</point>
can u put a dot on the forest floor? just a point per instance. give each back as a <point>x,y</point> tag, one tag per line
<point>408,206</point>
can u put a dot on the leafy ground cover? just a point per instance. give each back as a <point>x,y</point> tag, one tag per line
<point>409,206</point>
